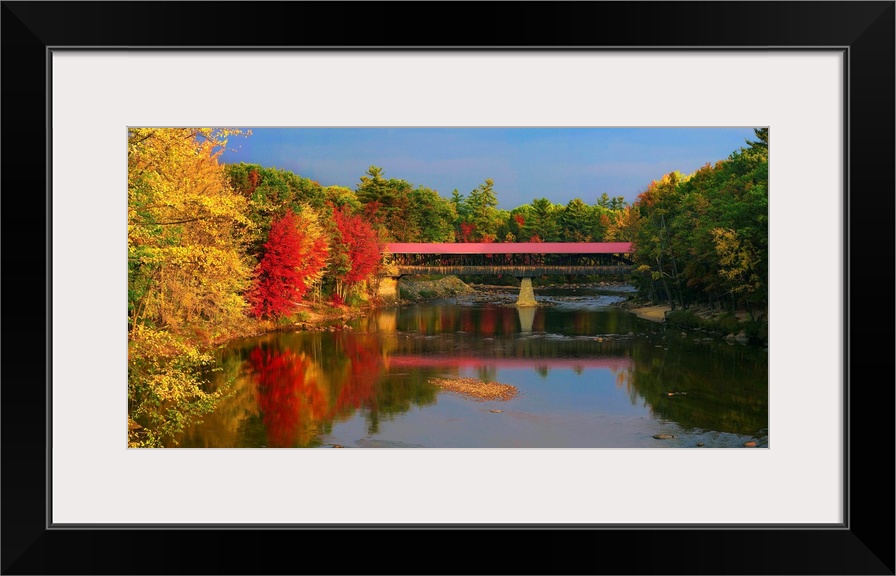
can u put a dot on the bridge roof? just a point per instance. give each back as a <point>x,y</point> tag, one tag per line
<point>509,248</point>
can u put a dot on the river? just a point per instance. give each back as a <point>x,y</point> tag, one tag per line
<point>587,375</point>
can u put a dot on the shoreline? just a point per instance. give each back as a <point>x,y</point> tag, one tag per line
<point>321,317</point>
<point>655,313</point>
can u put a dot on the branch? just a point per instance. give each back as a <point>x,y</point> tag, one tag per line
<point>150,135</point>
<point>195,219</point>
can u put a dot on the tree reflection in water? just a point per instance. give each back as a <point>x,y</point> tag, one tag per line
<point>297,389</point>
<point>289,401</point>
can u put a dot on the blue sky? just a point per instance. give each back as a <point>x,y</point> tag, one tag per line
<point>525,163</point>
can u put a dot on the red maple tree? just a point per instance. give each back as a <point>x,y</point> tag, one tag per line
<point>467,230</point>
<point>360,242</point>
<point>290,260</point>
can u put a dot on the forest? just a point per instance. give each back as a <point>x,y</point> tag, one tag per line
<point>217,251</point>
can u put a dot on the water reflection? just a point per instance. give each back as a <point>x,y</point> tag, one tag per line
<point>589,376</point>
<point>527,318</point>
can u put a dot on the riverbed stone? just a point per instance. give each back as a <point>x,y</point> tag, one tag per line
<point>663,436</point>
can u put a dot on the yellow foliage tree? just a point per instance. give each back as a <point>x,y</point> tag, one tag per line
<point>738,261</point>
<point>185,228</point>
<point>186,275</point>
<point>621,225</point>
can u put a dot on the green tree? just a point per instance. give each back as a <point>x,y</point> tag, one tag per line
<point>483,212</point>
<point>461,213</point>
<point>270,193</point>
<point>340,196</point>
<point>704,237</point>
<point>383,204</point>
<point>615,203</point>
<point>432,216</point>
<point>578,222</point>
<point>543,223</point>
<point>761,142</point>
<point>401,212</point>
<point>374,188</point>
<point>516,222</point>
<point>657,244</point>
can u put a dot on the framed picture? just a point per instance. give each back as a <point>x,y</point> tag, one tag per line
<point>819,74</point>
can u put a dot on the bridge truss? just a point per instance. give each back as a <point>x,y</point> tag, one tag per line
<point>515,259</point>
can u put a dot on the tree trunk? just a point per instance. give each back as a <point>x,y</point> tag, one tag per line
<point>659,263</point>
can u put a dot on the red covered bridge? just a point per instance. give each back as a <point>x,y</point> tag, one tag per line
<point>519,259</point>
<point>525,260</point>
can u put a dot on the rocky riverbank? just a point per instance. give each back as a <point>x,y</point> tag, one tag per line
<point>737,327</point>
<point>658,312</point>
<point>415,289</point>
<point>652,313</point>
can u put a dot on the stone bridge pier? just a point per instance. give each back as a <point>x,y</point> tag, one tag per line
<point>527,295</point>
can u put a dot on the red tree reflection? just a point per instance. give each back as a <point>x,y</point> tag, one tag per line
<point>508,320</point>
<point>487,322</point>
<point>358,388</point>
<point>291,404</point>
<point>467,322</point>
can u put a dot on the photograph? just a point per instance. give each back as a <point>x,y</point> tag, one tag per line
<point>532,241</point>
<point>448,287</point>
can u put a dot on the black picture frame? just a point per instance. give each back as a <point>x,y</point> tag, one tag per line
<point>863,545</point>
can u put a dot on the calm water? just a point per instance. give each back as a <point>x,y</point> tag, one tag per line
<point>589,376</point>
